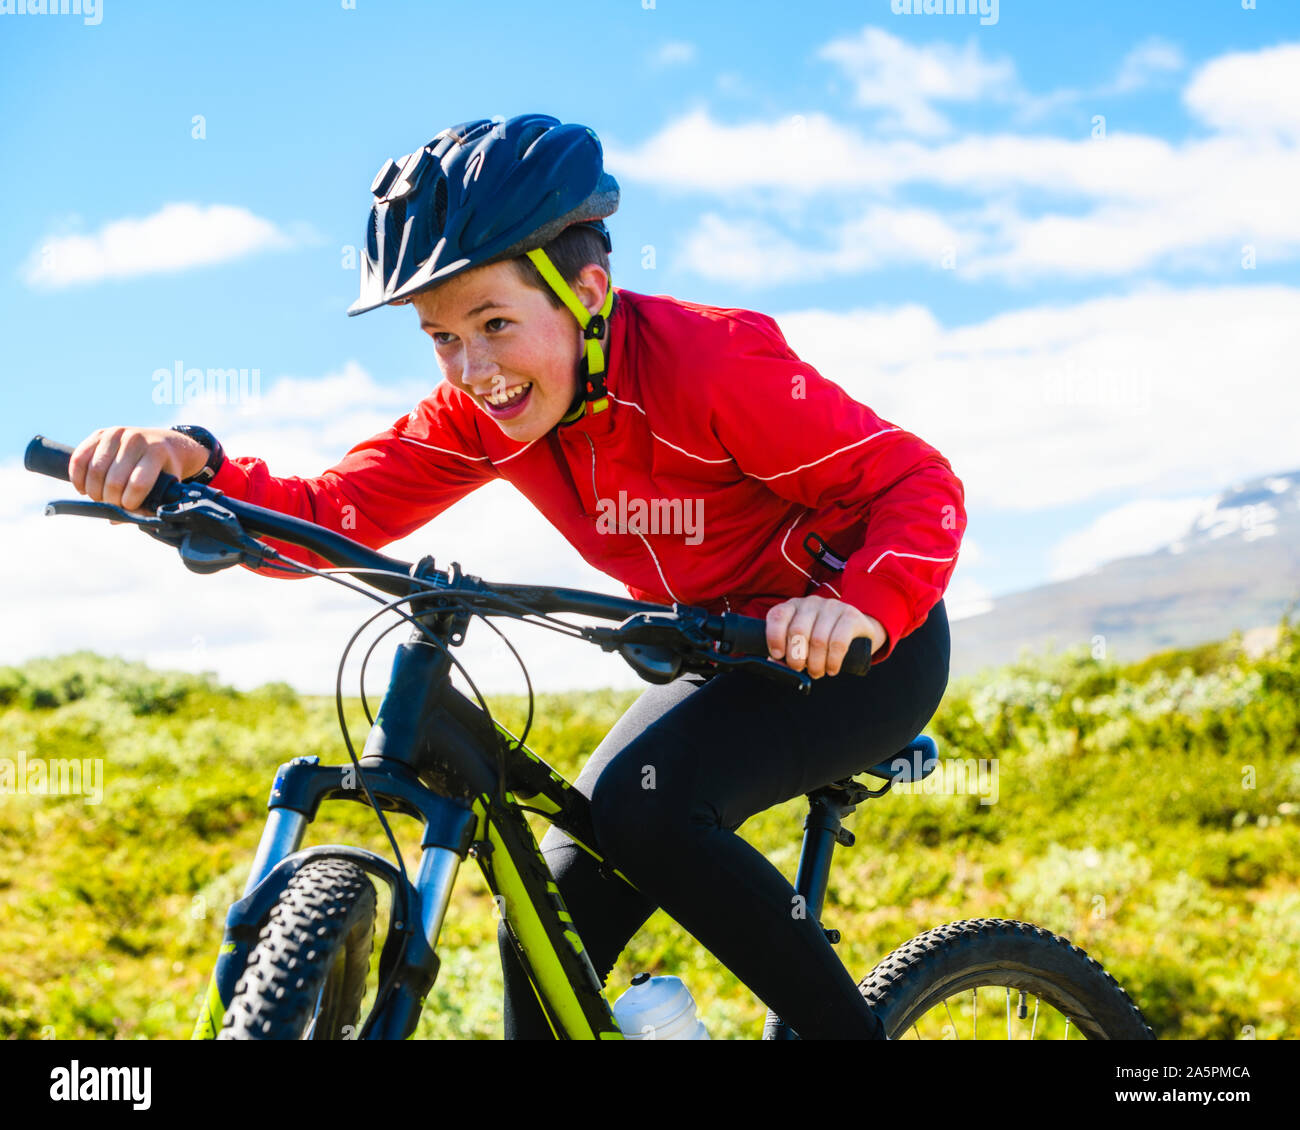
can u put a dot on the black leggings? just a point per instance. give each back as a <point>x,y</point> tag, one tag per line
<point>677,775</point>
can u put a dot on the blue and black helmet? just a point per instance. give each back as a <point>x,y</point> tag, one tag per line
<point>481,192</point>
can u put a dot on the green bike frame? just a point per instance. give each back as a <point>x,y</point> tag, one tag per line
<point>434,755</point>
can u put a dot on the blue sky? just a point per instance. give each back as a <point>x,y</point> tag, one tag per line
<point>922,201</point>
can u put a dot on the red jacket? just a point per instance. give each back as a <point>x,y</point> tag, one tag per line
<point>728,449</point>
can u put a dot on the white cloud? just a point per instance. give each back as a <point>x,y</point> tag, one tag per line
<point>1117,205</point>
<point>964,595</point>
<point>903,79</point>
<point>1250,92</point>
<point>754,251</point>
<point>1153,205</point>
<point>175,238</point>
<point>695,152</point>
<point>1057,404</point>
<point>674,53</point>
<point>1145,63</point>
<point>1137,527</point>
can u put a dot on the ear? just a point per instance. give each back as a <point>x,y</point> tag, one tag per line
<point>591,286</point>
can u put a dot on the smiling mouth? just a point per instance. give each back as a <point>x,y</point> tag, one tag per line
<point>510,395</point>
<point>510,402</point>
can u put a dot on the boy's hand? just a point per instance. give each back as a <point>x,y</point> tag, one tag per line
<point>817,631</point>
<point>120,465</point>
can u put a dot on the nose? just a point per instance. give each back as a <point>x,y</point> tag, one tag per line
<point>479,368</point>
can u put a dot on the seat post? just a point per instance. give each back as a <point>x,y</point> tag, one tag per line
<point>823,828</point>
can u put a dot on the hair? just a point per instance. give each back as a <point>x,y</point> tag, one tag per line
<point>570,251</point>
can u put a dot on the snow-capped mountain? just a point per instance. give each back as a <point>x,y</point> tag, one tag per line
<point>1235,567</point>
<point>1248,511</point>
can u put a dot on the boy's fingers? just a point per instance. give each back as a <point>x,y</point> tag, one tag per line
<point>141,479</point>
<point>778,620</point>
<point>799,632</point>
<point>100,462</point>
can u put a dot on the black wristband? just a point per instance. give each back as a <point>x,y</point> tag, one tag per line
<point>216,456</point>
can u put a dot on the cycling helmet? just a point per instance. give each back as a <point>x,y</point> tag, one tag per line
<point>485,191</point>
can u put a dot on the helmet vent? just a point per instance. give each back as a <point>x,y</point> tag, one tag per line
<point>440,207</point>
<point>527,137</point>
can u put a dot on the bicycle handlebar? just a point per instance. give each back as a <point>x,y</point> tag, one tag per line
<point>743,634</point>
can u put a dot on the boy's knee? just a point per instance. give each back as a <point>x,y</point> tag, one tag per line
<point>636,805</point>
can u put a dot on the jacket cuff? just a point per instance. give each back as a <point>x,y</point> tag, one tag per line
<point>232,479</point>
<point>882,599</point>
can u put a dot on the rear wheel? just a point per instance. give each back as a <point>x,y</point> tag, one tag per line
<point>994,979</point>
<point>306,976</point>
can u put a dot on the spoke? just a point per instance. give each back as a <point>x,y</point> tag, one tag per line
<point>311,1028</point>
<point>951,1022</point>
<point>1008,1012</point>
<point>1067,1028</point>
<point>1034,1025</point>
<point>916,1030</point>
<point>975,1016</point>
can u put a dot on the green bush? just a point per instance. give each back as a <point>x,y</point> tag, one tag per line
<point>1148,811</point>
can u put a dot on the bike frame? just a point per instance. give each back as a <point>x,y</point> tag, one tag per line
<point>433,754</point>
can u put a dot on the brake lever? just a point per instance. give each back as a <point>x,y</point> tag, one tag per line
<point>81,509</point>
<point>163,531</point>
<point>208,536</point>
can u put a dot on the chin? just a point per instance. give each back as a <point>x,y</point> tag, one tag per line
<point>525,431</point>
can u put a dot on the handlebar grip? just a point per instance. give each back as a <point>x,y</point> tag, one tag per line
<point>46,457</point>
<point>749,634</point>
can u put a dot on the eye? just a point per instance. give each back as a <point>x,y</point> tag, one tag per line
<point>439,336</point>
<point>503,322</point>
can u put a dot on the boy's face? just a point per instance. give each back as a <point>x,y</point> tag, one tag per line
<point>497,338</point>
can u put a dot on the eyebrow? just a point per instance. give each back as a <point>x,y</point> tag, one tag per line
<point>489,305</point>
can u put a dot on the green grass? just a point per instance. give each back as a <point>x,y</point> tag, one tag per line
<point>1150,812</point>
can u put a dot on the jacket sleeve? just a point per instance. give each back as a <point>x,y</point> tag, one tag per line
<point>384,488</point>
<point>811,443</point>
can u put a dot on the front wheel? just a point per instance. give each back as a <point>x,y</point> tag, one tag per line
<point>988,979</point>
<point>306,976</point>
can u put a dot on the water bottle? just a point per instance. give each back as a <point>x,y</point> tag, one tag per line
<point>658,1008</point>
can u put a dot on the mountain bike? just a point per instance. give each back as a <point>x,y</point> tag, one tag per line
<point>297,948</point>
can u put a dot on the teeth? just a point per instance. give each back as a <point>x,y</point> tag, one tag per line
<point>511,394</point>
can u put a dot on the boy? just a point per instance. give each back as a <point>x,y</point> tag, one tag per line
<point>804,507</point>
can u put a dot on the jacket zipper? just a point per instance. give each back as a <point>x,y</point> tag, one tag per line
<point>596,494</point>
